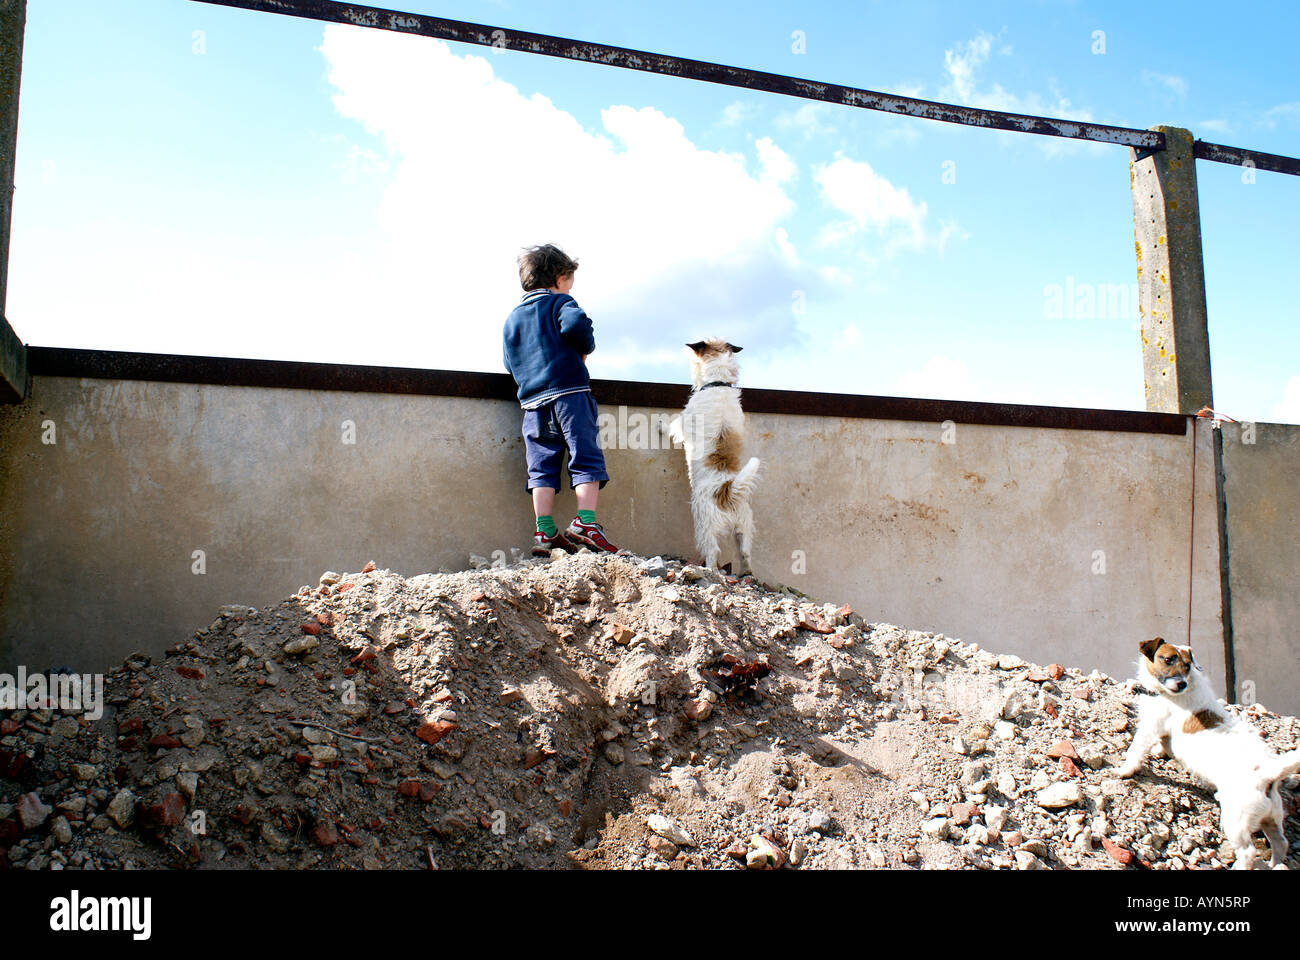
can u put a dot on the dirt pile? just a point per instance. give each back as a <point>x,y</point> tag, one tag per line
<point>595,712</point>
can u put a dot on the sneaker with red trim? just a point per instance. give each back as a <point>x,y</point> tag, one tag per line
<point>543,545</point>
<point>591,535</point>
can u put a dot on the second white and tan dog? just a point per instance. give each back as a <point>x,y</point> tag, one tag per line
<point>712,430</point>
<point>1181,715</point>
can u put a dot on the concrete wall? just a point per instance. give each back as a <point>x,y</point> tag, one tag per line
<point>991,538</point>
<point>1262,483</point>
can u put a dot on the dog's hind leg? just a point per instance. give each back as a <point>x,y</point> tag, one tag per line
<point>1235,825</point>
<point>745,543</point>
<point>1278,845</point>
<point>742,551</point>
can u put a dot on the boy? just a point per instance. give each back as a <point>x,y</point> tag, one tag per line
<point>546,342</point>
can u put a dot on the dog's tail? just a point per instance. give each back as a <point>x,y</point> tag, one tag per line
<point>1283,765</point>
<point>738,489</point>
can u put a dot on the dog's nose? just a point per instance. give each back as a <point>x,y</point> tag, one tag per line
<point>1180,685</point>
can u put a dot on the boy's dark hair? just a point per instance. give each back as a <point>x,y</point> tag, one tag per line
<point>541,267</point>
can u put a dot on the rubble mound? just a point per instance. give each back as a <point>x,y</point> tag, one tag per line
<point>595,712</point>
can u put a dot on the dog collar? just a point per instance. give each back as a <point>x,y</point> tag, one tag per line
<point>715,383</point>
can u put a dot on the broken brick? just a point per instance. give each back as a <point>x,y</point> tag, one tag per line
<point>434,731</point>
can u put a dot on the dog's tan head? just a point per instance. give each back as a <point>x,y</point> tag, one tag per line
<point>1166,666</point>
<point>714,360</point>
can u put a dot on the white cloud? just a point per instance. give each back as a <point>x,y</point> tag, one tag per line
<point>966,62</point>
<point>1284,112</point>
<point>776,163</point>
<point>1287,410</point>
<point>481,170</point>
<point>808,120</point>
<point>735,113</point>
<point>1170,82</point>
<point>873,204</point>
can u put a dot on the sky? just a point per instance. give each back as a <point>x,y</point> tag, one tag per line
<point>196,179</point>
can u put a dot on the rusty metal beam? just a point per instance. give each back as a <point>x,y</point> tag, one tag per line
<point>1242,157</point>
<point>499,37</point>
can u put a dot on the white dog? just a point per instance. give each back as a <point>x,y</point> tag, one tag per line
<point>712,429</point>
<point>1183,716</point>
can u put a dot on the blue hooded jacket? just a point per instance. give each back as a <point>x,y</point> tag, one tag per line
<point>545,339</point>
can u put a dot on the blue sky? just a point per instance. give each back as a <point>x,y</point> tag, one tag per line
<point>196,179</point>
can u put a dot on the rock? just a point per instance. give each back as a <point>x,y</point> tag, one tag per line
<point>663,847</point>
<point>1009,661</point>
<point>669,830</point>
<point>619,634</point>
<point>876,857</point>
<point>798,851</point>
<point>61,830</point>
<point>31,812</point>
<point>122,809</point>
<point>85,771</point>
<point>188,783</point>
<point>763,854</point>
<point>654,567</point>
<point>1027,861</point>
<point>330,577</point>
<point>961,813</point>
<point>1007,786</point>
<point>698,710</point>
<point>820,821</point>
<point>614,753</point>
<point>301,645</point>
<point>510,695</point>
<point>995,818</point>
<point>936,828</point>
<point>1058,795</point>
<point>1004,730</point>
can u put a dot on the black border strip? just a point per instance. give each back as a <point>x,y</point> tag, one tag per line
<point>235,372</point>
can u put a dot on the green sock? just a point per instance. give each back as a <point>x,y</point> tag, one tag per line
<point>587,516</point>
<point>546,525</point>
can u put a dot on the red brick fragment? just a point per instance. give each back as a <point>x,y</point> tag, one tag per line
<point>1062,748</point>
<point>325,834</point>
<point>168,812</point>
<point>1117,853</point>
<point>434,731</point>
<point>190,673</point>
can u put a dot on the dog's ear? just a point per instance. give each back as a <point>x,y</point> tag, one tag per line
<point>698,346</point>
<point>733,348</point>
<point>1149,647</point>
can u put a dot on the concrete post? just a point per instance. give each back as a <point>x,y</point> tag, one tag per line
<point>1171,275</point>
<point>13,355</point>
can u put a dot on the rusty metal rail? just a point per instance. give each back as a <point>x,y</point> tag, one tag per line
<point>426,26</point>
<point>502,38</point>
<point>1242,157</point>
